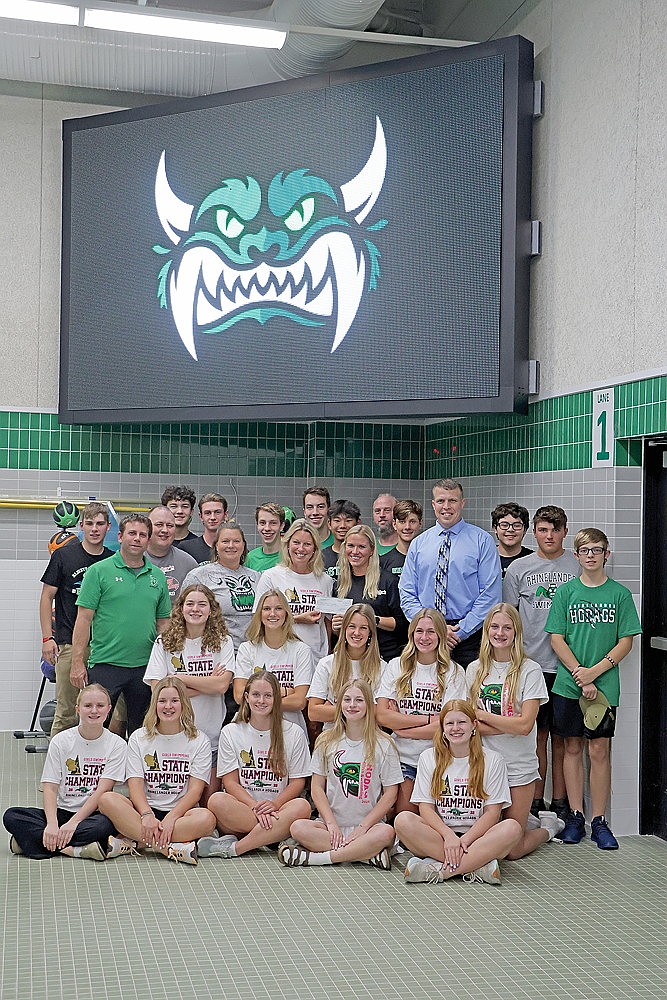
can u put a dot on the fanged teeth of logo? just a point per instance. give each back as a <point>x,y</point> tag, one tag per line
<point>327,280</point>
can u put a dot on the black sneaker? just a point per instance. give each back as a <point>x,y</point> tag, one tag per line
<point>561,807</point>
<point>537,807</point>
<point>602,835</point>
<point>575,828</point>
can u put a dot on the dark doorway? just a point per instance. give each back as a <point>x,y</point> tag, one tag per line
<point>653,777</point>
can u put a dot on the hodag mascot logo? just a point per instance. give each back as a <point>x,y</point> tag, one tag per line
<point>298,250</point>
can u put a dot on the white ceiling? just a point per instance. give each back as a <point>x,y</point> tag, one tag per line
<point>112,61</point>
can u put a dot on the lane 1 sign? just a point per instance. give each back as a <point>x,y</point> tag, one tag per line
<point>603,428</point>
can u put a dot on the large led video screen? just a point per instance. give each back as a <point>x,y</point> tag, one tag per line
<point>350,245</point>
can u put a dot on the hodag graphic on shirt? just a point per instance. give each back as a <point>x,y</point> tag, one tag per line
<point>297,250</point>
<point>242,594</point>
<point>347,773</point>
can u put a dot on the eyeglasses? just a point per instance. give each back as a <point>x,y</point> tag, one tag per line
<point>591,550</point>
<point>507,526</point>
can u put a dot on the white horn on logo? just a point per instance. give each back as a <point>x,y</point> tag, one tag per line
<point>174,214</point>
<point>361,193</point>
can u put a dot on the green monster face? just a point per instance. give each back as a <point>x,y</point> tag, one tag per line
<point>348,774</point>
<point>297,250</point>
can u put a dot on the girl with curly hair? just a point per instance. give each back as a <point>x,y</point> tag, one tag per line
<point>197,647</point>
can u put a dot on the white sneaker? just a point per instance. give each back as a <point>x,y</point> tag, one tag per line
<point>93,852</point>
<point>423,870</point>
<point>217,847</point>
<point>14,846</point>
<point>550,821</point>
<point>185,853</point>
<point>121,845</point>
<point>489,873</point>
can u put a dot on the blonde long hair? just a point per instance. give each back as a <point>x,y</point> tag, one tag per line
<point>372,578</point>
<point>517,657</point>
<point>443,663</point>
<point>151,721</point>
<point>370,662</point>
<point>316,563</point>
<point>215,631</point>
<point>444,755</point>
<point>256,631</point>
<point>372,734</point>
<point>276,756</point>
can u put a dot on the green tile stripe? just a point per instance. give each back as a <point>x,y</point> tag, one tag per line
<point>555,435</point>
<point>302,450</point>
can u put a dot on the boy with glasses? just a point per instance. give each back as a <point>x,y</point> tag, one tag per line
<point>592,622</point>
<point>510,523</point>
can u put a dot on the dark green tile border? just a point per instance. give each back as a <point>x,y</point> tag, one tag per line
<point>555,435</point>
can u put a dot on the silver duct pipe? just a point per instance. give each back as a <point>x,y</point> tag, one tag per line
<point>113,61</point>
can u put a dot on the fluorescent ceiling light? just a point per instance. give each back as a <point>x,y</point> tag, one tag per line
<point>154,22</point>
<point>38,10</point>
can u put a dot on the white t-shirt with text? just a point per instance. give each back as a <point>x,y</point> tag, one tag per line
<point>245,749</point>
<point>166,763</point>
<point>455,806</point>
<point>76,765</point>
<point>209,709</point>
<point>422,700</point>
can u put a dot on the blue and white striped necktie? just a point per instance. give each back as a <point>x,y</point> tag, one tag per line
<point>441,573</point>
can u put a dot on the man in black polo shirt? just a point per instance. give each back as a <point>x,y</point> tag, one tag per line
<point>62,580</point>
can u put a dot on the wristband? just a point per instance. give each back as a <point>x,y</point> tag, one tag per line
<point>613,662</point>
<point>149,812</point>
<point>48,638</point>
<point>377,621</point>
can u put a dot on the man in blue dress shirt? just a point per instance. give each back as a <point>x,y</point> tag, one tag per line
<point>465,561</point>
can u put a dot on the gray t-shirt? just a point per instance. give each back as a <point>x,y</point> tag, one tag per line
<point>354,785</point>
<point>530,584</point>
<point>234,591</point>
<point>175,565</point>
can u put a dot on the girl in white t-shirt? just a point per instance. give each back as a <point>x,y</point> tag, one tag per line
<point>357,654</point>
<point>301,577</point>
<point>197,647</point>
<point>168,766</point>
<point>461,790</point>
<point>413,689</point>
<point>82,764</point>
<point>507,690</point>
<point>274,646</point>
<point>356,774</point>
<point>263,762</point>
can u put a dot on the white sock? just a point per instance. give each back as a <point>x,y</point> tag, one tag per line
<point>322,858</point>
<point>232,850</point>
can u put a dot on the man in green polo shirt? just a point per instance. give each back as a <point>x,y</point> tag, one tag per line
<point>121,609</point>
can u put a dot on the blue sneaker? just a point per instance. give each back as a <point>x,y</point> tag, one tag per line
<point>575,828</point>
<point>602,835</point>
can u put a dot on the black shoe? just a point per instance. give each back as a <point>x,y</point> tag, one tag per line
<point>538,806</point>
<point>575,828</point>
<point>602,835</point>
<point>561,807</point>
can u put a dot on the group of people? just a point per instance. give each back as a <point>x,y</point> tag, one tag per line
<point>424,671</point>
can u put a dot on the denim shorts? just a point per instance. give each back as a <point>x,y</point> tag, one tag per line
<point>409,771</point>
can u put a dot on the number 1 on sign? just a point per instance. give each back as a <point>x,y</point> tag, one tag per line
<point>603,453</point>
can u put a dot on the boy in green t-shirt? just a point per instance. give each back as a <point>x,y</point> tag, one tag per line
<point>592,622</point>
